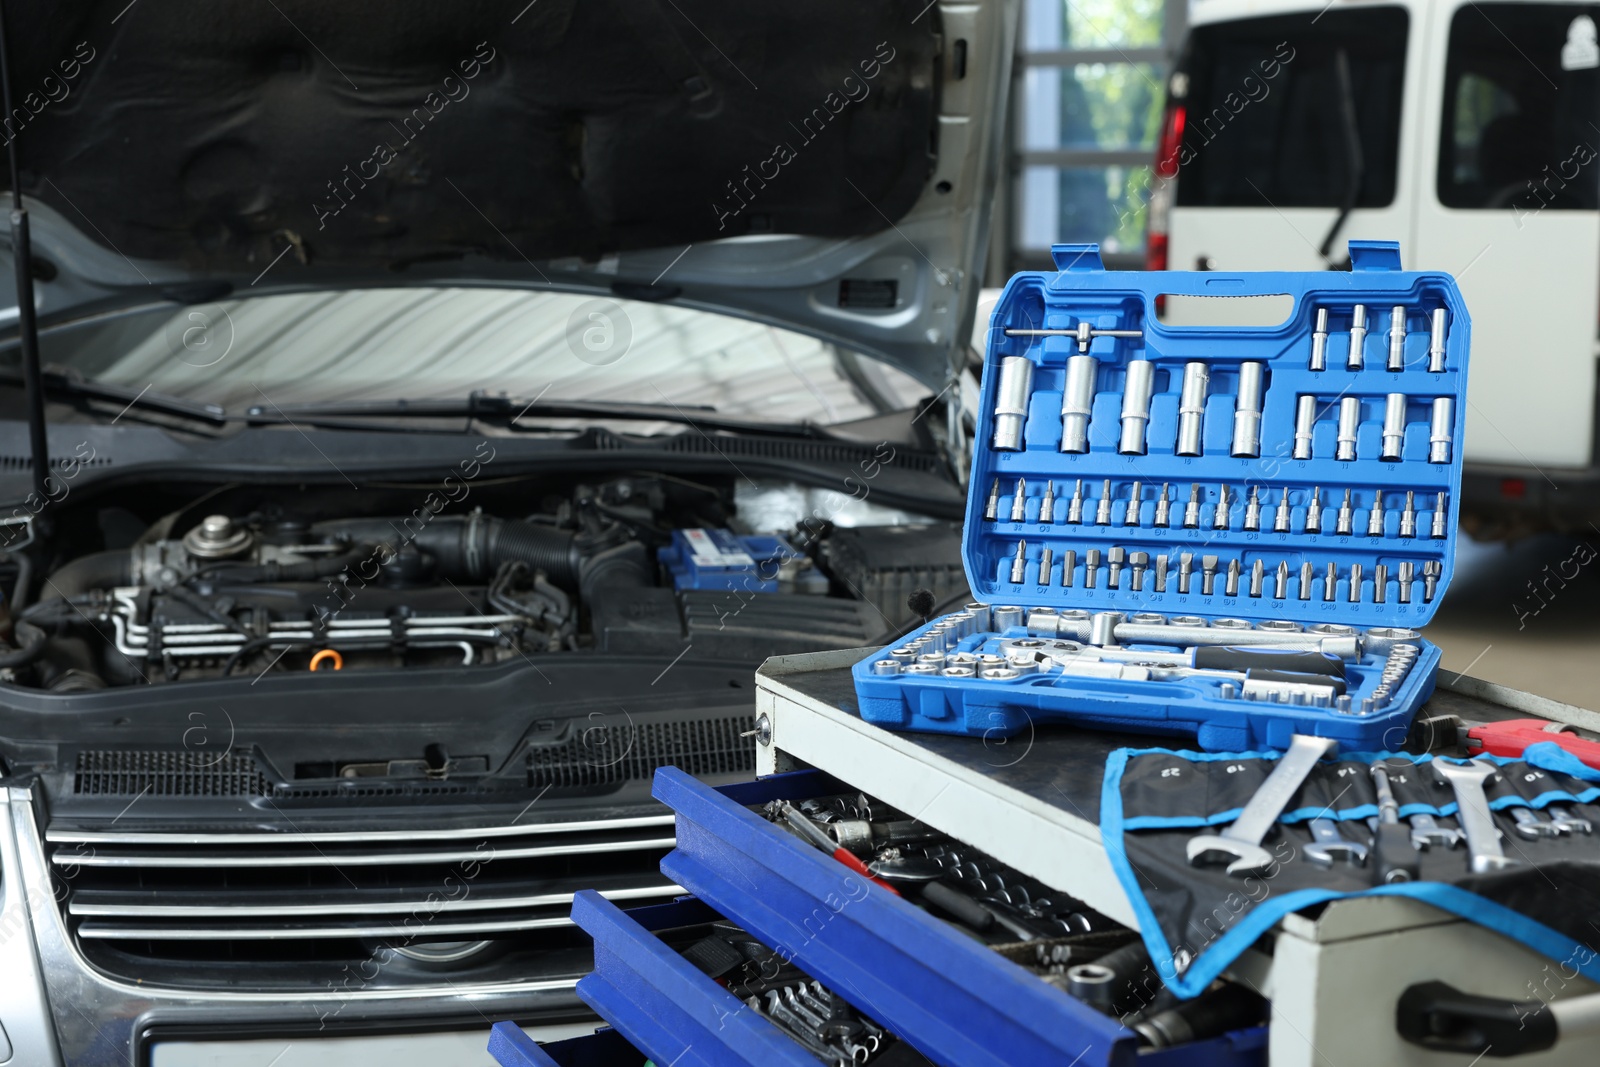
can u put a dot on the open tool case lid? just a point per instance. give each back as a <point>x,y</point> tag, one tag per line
<point>1084,291</point>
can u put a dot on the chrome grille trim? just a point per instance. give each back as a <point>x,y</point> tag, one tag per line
<point>62,836</point>
<point>77,907</point>
<point>317,858</point>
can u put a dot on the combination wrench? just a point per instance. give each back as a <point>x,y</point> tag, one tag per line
<point>1327,845</point>
<point>1483,837</point>
<point>1241,842</point>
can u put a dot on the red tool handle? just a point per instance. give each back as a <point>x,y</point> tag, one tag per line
<point>849,859</point>
<point>1510,737</point>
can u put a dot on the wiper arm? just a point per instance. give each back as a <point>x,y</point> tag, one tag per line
<point>507,410</point>
<point>61,382</point>
<point>1355,165</point>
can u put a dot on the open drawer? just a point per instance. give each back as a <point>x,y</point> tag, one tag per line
<point>958,1001</point>
<point>511,1047</point>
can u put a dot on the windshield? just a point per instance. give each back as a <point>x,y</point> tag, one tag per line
<point>437,343</point>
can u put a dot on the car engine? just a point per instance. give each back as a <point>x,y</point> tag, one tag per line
<point>217,591</point>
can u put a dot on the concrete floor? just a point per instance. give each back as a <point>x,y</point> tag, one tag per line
<point>1526,616</point>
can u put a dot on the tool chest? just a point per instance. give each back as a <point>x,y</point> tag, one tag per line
<point>1234,533</point>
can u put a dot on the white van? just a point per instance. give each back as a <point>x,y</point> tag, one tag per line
<point>1470,133</point>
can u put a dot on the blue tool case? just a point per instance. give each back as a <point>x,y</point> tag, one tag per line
<point>1231,532</point>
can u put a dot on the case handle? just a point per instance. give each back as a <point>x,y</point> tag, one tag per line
<point>1374,255</point>
<point>1077,257</point>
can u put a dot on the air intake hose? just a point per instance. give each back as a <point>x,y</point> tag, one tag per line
<point>471,547</point>
<point>100,570</point>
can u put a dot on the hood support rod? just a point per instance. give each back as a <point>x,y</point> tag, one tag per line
<point>22,258</point>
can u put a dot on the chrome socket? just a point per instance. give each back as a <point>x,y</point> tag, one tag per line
<point>886,666</point>
<point>1305,420</point>
<point>1436,342</point>
<point>1394,426</point>
<point>1439,435</point>
<point>1397,339</point>
<point>1192,408</point>
<point>1349,423</point>
<point>1077,403</point>
<point>1358,338</point>
<point>1247,410</point>
<point>1007,617</point>
<point>1319,342</point>
<point>1011,403</point>
<point>1136,390</point>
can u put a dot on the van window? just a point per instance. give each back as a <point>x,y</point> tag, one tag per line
<point>1521,127</point>
<point>1266,119</point>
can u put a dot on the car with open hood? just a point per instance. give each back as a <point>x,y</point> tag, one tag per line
<point>418,423</point>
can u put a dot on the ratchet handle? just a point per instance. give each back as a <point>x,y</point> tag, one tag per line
<point>1397,858</point>
<point>1509,737</point>
<point>1335,684</point>
<point>1224,658</point>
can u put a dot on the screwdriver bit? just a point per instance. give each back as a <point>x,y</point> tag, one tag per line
<point>1075,505</point>
<point>1102,514</point>
<point>1045,563</point>
<point>1185,569</point>
<point>1219,520</point>
<point>1308,575</point>
<point>1343,525</point>
<point>1130,517</point>
<point>1408,517</point>
<point>1375,517</point>
<point>1191,511</point>
<point>1047,504</point>
<point>1161,574</point>
<point>1258,577</point>
<point>1114,560</point>
<point>1314,511</point>
<point>1408,574</point>
<point>1208,574</point>
<point>1138,562</point>
<point>1380,580</point>
<point>1432,571</point>
<point>1020,562</point>
<point>1091,567</point>
<point>1330,583</point>
<point>1355,583</point>
<point>1252,510</point>
<point>1069,563</point>
<point>1280,523</point>
<point>1440,517</point>
<point>1019,502</point>
<point>1231,588</point>
<point>1280,581</point>
<point>1164,507</point>
<point>991,510</point>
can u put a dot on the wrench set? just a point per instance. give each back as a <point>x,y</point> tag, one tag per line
<point>1283,484</point>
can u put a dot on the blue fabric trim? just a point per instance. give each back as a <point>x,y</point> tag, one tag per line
<point>1549,756</point>
<point>1216,957</point>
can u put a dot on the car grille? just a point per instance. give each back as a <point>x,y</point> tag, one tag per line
<point>191,909</point>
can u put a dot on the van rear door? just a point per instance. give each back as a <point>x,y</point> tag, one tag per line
<point>1511,117</point>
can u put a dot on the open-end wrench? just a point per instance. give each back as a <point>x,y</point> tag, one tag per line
<point>1426,832</point>
<point>1327,845</point>
<point>1561,815</point>
<point>1483,837</point>
<point>1532,827</point>
<point>1242,841</point>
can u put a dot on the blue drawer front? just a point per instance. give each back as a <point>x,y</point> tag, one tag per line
<point>956,1001</point>
<point>512,1048</point>
<point>661,1003</point>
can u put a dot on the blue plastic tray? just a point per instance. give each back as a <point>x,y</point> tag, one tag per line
<point>956,1001</point>
<point>1083,292</point>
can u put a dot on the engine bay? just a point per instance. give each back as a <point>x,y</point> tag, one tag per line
<point>157,586</point>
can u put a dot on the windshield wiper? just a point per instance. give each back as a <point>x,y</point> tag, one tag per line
<point>59,382</point>
<point>507,411</point>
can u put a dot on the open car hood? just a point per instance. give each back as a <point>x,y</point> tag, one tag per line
<point>826,166</point>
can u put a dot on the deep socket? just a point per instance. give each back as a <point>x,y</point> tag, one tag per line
<point>1305,420</point>
<point>1191,511</point>
<point>1349,423</point>
<point>1019,563</point>
<point>1077,402</point>
<point>1397,339</point>
<point>1436,342</point>
<point>1252,510</point>
<point>1075,505</point>
<point>1164,507</point>
<point>1280,521</point>
<point>1091,568</point>
<point>1069,563</point>
<point>1011,402</point>
<point>1355,583</point>
<point>1408,517</point>
<point>1358,337</point>
<point>1136,388</point>
<point>1130,516</point>
<point>1219,518</point>
<point>1394,426</point>
<point>1102,513</point>
<point>1019,502</point>
<point>1047,503</point>
<point>1319,342</point>
<point>1314,511</point>
<point>1375,517</point>
<point>1440,518</point>
<point>1247,410</point>
<point>1192,408</point>
<point>991,510</point>
<point>1343,526</point>
<point>1439,435</point>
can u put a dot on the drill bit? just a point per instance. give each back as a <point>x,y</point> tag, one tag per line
<point>1432,571</point>
<point>1047,503</point>
<point>1069,563</point>
<point>991,511</point>
<point>1314,511</point>
<point>1019,502</point>
<point>1091,567</point>
<point>1408,517</point>
<point>1191,511</point>
<point>1408,574</point>
<point>1355,583</point>
<point>1185,568</point>
<point>1046,560</point>
<point>1208,574</point>
<point>1114,559</point>
<point>1164,507</point>
<point>1343,525</point>
<point>1258,577</point>
<point>1308,574</point>
<point>1231,587</point>
<point>1019,563</point>
<point>1219,520</point>
<point>1280,522</point>
<point>1252,510</point>
<point>1138,562</point>
<point>1440,516</point>
<point>1280,581</point>
<point>1131,516</point>
<point>1102,514</point>
<point>1330,583</point>
<point>1375,517</point>
<point>1161,574</point>
<point>1380,582</point>
<point>1075,505</point>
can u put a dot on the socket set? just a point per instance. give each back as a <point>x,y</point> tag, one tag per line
<point>1167,508</point>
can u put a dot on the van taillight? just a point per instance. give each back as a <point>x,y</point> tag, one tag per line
<point>1171,141</point>
<point>1161,187</point>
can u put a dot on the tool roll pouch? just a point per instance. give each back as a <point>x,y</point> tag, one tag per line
<point>1196,919</point>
